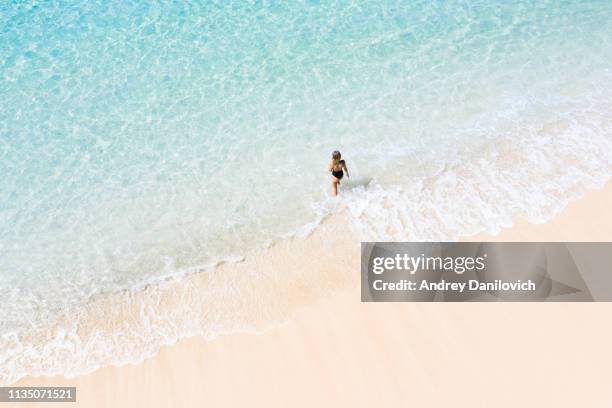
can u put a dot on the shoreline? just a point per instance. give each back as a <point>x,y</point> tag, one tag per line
<point>461,197</point>
<point>362,344</point>
<point>226,300</point>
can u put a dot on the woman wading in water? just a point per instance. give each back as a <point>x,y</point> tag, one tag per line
<point>337,168</point>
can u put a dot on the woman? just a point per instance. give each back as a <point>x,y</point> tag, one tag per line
<point>337,168</point>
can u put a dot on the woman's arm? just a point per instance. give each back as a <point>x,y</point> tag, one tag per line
<point>345,169</point>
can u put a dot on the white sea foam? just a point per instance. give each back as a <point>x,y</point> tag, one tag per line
<point>532,173</point>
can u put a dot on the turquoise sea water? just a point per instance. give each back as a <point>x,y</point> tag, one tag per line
<point>142,141</point>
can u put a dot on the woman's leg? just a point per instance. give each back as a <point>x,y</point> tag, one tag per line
<point>334,186</point>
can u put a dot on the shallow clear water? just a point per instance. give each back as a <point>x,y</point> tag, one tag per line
<point>142,141</point>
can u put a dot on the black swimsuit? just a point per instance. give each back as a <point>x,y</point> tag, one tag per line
<point>340,173</point>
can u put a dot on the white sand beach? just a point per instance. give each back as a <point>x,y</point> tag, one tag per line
<point>338,352</point>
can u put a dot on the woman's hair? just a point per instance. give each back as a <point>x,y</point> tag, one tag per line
<point>336,158</point>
